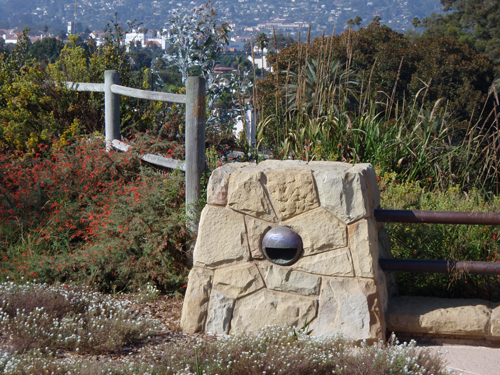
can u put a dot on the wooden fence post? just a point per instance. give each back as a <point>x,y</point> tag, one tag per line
<point>195,142</point>
<point>111,108</point>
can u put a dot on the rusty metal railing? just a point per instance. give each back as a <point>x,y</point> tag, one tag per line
<point>439,266</point>
<point>438,217</point>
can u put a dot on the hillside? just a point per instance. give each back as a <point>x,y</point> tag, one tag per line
<point>242,13</point>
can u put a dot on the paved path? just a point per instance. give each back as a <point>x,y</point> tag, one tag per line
<point>470,360</point>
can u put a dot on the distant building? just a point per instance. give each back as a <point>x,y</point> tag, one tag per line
<point>145,39</point>
<point>223,69</point>
<point>260,61</point>
<point>98,36</point>
<point>10,38</point>
<point>236,44</point>
<point>71,28</point>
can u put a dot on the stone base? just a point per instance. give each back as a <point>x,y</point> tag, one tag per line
<point>332,288</point>
<point>442,318</point>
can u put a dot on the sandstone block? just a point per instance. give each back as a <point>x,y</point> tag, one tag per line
<point>328,310</point>
<point>221,239</point>
<point>320,231</point>
<point>284,279</point>
<point>382,289</point>
<point>219,313</point>
<point>384,244</point>
<point>271,164</point>
<point>329,165</point>
<point>217,187</point>
<point>238,281</point>
<point>332,263</point>
<point>363,242</point>
<point>459,317</point>
<point>495,321</point>
<point>371,182</point>
<point>240,165</point>
<point>256,229</point>
<point>384,251</point>
<point>349,306</point>
<point>194,309</point>
<point>246,194</point>
<point>342,193</point>
<point>292,191</point>
<point>272,308</point>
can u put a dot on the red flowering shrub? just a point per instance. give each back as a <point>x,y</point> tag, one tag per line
<point>79,214</point>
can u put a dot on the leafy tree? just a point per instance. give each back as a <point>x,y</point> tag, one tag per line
<point>475,22</point>
<point>350,23</point>
<point>395,68</point>
<point>197,40</point>
<point>376,19</point>
<point>62,34</point>
<point>357,20</point>
<point>47,49</point>
<point>242,63</point>
<point>36,110</point>
<point>283,41</point>
<point>455,72</point>
<point>415,22</point>
<point>262,41</point>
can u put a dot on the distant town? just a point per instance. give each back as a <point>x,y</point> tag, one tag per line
<point>246,17</point>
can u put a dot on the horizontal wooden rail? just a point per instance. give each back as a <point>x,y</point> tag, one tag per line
<point>153,159</point>
<point>128,91</point>
<point>148,95</point>
<point>194,165</point>
<point>437,217</point>
<point>85,86</point>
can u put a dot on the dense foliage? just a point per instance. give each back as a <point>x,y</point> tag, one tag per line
<point>475,22</point>
<point>79,214</point>
<point>391,67</point>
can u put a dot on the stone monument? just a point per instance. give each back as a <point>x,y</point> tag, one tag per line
<point>329,283</point>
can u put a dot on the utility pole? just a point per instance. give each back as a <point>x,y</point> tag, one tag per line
<point>74,21</point>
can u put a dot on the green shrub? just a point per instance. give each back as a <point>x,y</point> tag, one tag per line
<point>33,110</point>
<point>37,109</point>
<point>80,214</point>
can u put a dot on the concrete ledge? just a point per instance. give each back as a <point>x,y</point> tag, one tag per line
<point>444,318</point>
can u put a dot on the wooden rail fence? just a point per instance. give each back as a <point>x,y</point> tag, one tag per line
<point>195,101</point>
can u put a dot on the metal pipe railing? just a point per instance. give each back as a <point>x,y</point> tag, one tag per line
<point>437,217</point>
<point>440,266</point>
